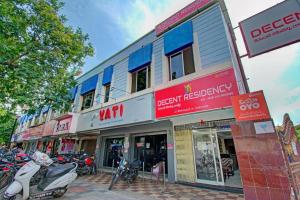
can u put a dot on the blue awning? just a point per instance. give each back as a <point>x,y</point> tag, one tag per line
<point>73,92</point>
<point>107,75</point>
<point>178,38</point>
<point>45,109</point>
<point>30,117</point>
<point>23,118</point>
<point>140,58</point>
<point>89,85</point>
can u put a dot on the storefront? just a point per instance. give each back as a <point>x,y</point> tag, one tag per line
<point>65,140</point>
<point>200,111</point>
<point>128,129</point>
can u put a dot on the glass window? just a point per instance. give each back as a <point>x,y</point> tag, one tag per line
<point>88,100</point>
<point>107,91</point>
<point>141,79</point>
<point>182,63</point>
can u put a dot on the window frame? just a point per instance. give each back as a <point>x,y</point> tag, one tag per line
<point>85,96</point>
<point>183,63</point>
<point>105,90</point>
<point>148,79</point>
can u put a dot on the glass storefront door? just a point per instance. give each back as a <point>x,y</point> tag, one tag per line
<point>151,149</point>
<point>207,157</point>
<point>113,151</point>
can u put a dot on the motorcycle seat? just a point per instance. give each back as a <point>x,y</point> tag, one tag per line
<point>59,170</point>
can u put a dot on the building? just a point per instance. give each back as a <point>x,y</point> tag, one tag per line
<point>164,97</point>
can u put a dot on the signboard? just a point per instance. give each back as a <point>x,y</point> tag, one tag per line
<point>264,127</point>
<point>181,15</point>
<point>63,126</point>
<point>66,124</point>
<point>250,106</point>
<point>36,131</point>
<point>49,127</point>
<point>206,93</point>
<point>134,110</point>
<point>273,28</point>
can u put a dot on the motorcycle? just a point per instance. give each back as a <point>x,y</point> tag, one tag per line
<point>54,183</point>
<point>86,165</point>
<point>127,172</point>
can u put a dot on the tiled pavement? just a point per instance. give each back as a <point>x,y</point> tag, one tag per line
<point>142,189</point>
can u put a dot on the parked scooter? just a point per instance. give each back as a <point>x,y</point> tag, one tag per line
<point>128,172</point>
<point>54,183</point>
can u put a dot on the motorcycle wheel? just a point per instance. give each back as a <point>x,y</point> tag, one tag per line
<point>113,181</point>
<point>59,193</point>
<point>94,170</point>
<point>9,198</point>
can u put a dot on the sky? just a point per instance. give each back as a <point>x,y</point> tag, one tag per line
<point>114,24</point>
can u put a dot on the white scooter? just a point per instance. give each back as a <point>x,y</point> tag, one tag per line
<point>53,184</point>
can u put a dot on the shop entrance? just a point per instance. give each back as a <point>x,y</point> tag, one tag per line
<point>113,151</point>
<point>207,157</point>
<point>231,172</point>
<point>151,149</point>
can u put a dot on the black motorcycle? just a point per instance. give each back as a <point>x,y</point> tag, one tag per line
<point>127,172</point>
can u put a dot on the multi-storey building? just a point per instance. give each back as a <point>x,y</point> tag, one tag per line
<point>165,97</point>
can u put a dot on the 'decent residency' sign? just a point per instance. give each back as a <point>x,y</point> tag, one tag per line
<point>273,28</point>
<point>205,93</point>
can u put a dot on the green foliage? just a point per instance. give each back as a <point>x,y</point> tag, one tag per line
<point>6,126</point>
<point>39,54</point>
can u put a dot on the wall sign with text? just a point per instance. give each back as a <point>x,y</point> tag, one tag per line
<point>273,28</point>
<point>250,106</point>
<point>210,92</point>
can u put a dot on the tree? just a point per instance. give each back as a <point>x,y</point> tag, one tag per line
<point>39,55</point>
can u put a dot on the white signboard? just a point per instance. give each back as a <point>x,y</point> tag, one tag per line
<point>264,127</point>
<point>134,110</point>
<point>273,28</point>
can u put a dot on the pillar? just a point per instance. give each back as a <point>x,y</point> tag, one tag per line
<point>262,165</point>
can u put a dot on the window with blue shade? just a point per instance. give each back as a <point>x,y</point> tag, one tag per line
<point>89,85</point>
<point>179,38</point>
<point>140,58</point>
<point>107,75</point>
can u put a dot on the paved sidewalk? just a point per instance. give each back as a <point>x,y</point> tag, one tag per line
<point>95,187</point>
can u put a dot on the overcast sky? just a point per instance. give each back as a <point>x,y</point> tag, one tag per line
<point>114,24</point>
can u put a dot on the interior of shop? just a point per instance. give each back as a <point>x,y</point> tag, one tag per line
<point>230,167</point>
<point>151,149</point>
<point>88,146</point>
<point>113,151</point>
<point>215,157</point>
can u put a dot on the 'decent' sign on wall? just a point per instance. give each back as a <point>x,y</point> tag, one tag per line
<point>273,28</point>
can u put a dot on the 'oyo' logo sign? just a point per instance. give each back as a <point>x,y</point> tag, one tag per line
<point>111,112</point>
<point>249,104</point>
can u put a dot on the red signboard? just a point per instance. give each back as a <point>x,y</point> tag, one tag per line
<point>250,106</point>
<point>181,15</point>
<point>206,93</point>
<point>63,126</point>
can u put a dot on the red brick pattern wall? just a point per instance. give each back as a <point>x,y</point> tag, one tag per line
<point>261,161</point>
